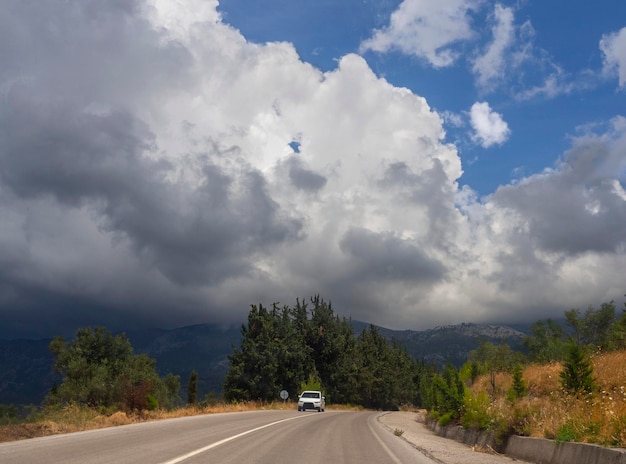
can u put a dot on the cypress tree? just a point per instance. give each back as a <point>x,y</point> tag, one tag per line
<point>192,388</point>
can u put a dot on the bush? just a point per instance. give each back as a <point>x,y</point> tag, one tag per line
<point>567,432</point>
<point>476,411</point>
<point>152,403</point>
<point>445,419</point>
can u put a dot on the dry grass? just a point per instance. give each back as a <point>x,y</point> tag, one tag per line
<point>73,418</point>
<point>549,412</point>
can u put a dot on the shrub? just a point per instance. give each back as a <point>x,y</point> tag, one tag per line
<point>151,403</point>
<point>476,410</point>
<point>567,432</point>
<point>445,419</point>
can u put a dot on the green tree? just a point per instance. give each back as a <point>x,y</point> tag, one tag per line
<point>313,382</point>
<point>192,389</point>
<point>617,332</point>
<point>446,395</point>
<point>518,387</point>
<point>577,373</point>
<point>294,362</point>
<point>495,359</point>
<point>171,391</point>
<point>593,327</point>
<point>373,357</point>
<point>331,343</point>
<point>100,370</point>
<point>253,369</point>
<point>546,342</point>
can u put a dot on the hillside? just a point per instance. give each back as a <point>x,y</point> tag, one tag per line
<point>27,364</point>
<point>547,411</point>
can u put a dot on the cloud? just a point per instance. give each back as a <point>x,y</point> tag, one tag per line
<point>614,48</point>
<point>490,66</point>
<point>428,29</point>
<point>147,178</point>
<point>489,127</point>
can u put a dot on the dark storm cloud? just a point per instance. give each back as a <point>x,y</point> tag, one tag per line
<point>575,209</point>
<point>73,77</point>
<point>386,257</point>
<point>192,235</point>
<point>90,52</point>
<point>304,179</point>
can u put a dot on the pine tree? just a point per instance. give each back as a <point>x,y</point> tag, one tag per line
<point>518,388</point>
<point>577,373</point>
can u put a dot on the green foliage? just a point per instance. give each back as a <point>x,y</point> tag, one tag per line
<point>577,373</point>
<point>171,391</point>
<point>495,359</point>
<point>151,402</point>
<point>446,419</point>
<point>617,333</point>
<point>518,387</point>
<point>446,394</point>
<point>297,348</point>
<point>567,432</point>
<point>8,414</point>
<point>546,342</point>
<point>476,411</point>
<point>192,388</point>
<point>594,326</point>
<point>312,383</point>
<point>101,371</point>
<point>273,356</point>
<point>470,371</point>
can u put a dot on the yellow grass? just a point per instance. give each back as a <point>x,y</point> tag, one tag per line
<point>549,412</point>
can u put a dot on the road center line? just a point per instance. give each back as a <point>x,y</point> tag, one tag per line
<point>225,440</point>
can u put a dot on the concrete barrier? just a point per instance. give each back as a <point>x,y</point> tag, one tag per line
<point>535,450</point>
<point>542,451</point>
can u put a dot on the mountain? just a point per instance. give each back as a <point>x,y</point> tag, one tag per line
<point>454,342</point>
<point>26,373</point>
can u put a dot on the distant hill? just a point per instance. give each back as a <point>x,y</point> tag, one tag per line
<point>26,373</point>
<point>454,342</point>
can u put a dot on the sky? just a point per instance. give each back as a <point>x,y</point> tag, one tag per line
<point>416,162</point>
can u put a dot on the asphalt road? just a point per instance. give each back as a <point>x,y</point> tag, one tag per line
<point>260,437</point>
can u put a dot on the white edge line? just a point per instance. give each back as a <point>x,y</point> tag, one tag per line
<point>225,440</point>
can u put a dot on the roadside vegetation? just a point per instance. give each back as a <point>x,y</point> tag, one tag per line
<point>569,385</point>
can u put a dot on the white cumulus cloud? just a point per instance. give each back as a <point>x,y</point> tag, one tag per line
<point>428,29</point>
<point>614,48</point>
<point>489,127</point>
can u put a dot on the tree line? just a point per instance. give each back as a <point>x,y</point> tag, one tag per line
<point>295,348</point>
<point>308,346</point>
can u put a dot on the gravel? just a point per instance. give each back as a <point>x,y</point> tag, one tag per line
<point>439,449</point>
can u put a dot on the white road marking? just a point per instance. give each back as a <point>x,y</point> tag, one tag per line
<point>391,454</point>
<point>226,440</point>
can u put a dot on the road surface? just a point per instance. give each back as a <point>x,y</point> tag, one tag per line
<point>260,437</point>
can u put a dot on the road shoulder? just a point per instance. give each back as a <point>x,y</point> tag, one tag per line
<point>439,449</point>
